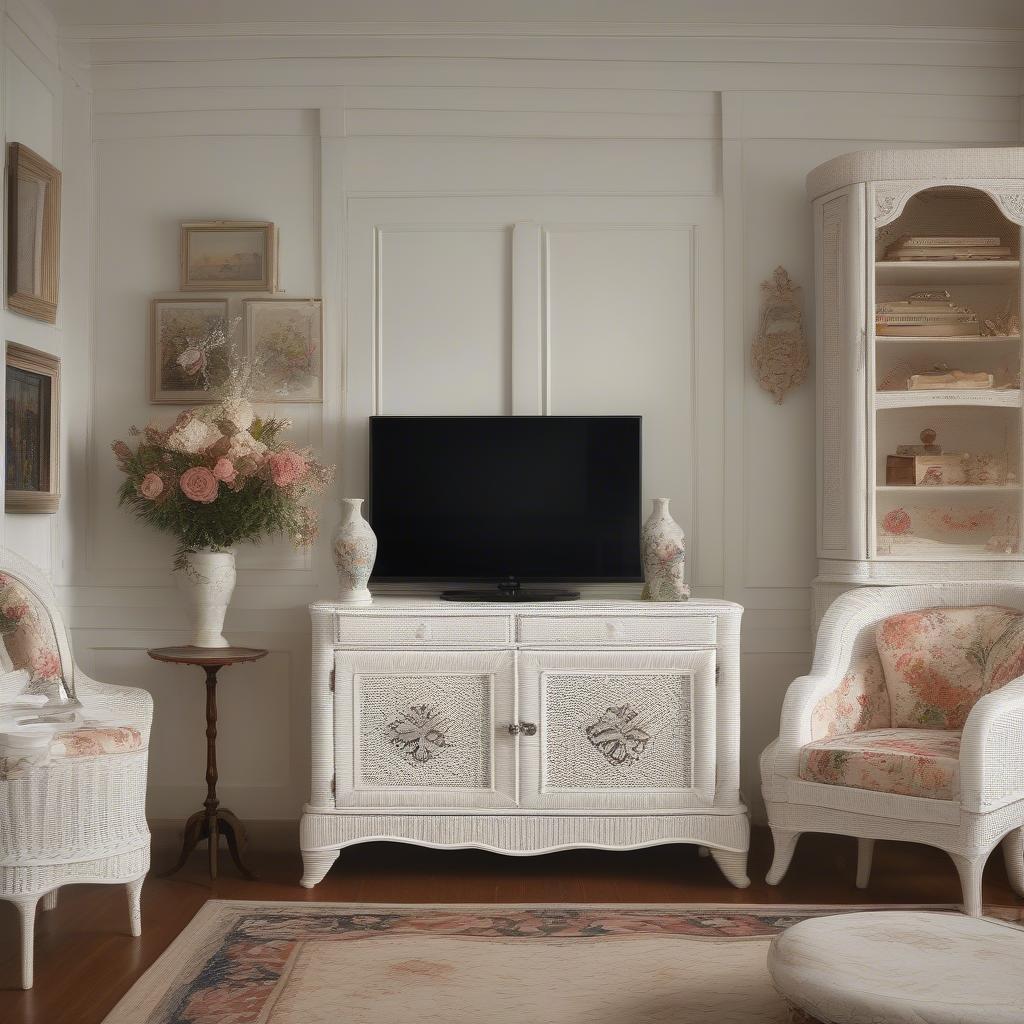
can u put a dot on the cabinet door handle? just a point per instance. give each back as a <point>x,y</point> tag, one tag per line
<point>524,728</point>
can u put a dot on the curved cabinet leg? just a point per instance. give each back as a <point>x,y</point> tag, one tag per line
<point>865,852</point>
<point>1013,854</point>
<point>970,870</point>
<point>134,890</point>
<point>315,865</point>
<point>27,914</point>
<point>733,865</point>
<point>785,846</point>
<point>50,900</point>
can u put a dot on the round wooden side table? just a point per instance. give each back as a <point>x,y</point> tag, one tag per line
<point>213,820</point>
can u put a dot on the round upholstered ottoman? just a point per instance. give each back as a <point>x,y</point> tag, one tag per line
<point>901,967</point>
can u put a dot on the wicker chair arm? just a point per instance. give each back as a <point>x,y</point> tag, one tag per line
<point>131,702</point>
<point>992,750</point>
<point>801,699</point>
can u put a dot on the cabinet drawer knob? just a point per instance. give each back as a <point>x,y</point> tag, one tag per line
<point>524,728</point>
<point>611,629</point>
<point>422,631</point>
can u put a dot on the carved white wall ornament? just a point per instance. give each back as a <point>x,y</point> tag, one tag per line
<point>419,733</point>
<point>779,352</point>
<point>618,736</point>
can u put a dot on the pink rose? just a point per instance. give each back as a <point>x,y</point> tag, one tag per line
<point>224,470</point>
<point>151,487</point>
<point>15,612</point>
<point>286,467</point>
<point>199,484</point>
<point>46,664</point>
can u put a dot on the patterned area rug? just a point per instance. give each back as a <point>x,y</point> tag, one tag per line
<point>326,963</point>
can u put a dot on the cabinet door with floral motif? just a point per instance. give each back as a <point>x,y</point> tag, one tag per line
<point>624,730</point>
<point>424,729</point>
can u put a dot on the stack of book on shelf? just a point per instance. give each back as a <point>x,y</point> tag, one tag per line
<point>944,379</point>
<point>924,314</point>
<point>948,247</point>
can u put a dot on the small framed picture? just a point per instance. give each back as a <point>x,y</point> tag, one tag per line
<point>228,256</point>
<point>189,349</point>
<point>32,428</point>
<point>284,339</point>
<point>33,233</point>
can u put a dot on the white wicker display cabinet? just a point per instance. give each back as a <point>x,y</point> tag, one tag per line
<point>525,729</point>
<point>868,532</point>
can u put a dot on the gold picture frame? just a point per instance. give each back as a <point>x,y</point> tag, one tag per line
<point>182,360</point>
<point>32,430</point>
<point>33,233</point>
<point>284,341</point>
<point>228,256</point>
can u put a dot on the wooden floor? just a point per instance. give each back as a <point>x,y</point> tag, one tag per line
<point>86,960</point>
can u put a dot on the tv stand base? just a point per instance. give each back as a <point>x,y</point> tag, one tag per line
<point>725,833</point>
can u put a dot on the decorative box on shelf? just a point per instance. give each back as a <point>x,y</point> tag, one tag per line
<point>525,728</point>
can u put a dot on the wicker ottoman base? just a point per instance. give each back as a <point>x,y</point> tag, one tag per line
<point>901,967</point>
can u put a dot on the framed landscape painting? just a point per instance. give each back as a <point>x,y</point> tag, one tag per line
<point>224,255</point>
<point>33,233</point>
<point>31,441</point>
<point>189,350</point>
<point>284,338</point>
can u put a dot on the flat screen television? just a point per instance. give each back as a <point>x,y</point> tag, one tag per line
<point>506,499</point>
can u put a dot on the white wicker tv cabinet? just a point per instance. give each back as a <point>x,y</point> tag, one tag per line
<point>525,728</point>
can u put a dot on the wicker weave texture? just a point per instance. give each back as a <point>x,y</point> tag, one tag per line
<point>77,819</point>
<point>991,805</point>
<point>597,719</point>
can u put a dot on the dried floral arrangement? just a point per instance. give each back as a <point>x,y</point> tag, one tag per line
<point>221,475</point>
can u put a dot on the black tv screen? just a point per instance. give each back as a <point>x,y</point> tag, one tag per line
<point>485,497</point>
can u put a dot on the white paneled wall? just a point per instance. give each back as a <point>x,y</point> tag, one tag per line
<point>32,111</point>
<point>502,221</point>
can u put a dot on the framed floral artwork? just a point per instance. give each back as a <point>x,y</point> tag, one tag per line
<point>284,339</point>
<point>228,256</point>
<point>189,349</point>
<point>31,430</point>
<point>33,233</point>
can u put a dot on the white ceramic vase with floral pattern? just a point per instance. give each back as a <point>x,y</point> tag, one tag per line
<point>663,550</point>
<point>355,549</point>
<point>208,581</point>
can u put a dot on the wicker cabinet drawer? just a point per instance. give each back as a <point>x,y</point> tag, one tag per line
<point>422,630</point>
<point>639,630</point>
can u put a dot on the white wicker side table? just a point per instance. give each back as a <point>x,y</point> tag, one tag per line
<point>901,967</point>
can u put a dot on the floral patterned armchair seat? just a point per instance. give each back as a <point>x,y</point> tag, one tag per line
<point>909,726</point>
<point>72,807</point>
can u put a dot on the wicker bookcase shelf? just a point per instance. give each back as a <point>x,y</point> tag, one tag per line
<point>867,531</point>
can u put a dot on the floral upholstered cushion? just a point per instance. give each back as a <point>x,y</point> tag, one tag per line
<point>939,661</point>
<point>86,741</point>
<point>912,762</point>
<point>860,701</point>
<point>28,638</point>
<point>97,739</point>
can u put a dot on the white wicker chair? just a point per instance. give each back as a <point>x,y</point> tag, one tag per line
<point>76,816</point>
<point>988,807</point>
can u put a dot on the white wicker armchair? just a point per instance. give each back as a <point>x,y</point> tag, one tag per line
<point>77,813</point>
<point>846,761</point>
